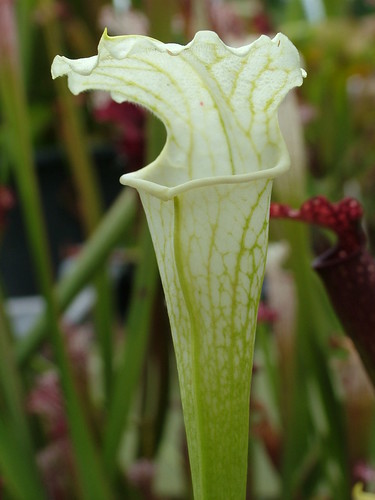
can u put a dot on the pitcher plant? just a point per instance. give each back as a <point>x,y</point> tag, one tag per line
<point>206,199</point>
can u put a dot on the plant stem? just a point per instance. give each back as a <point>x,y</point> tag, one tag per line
<point>86,182</point>
<point>200,15</point>
<point>12,394</point>
<point>137,336</point>
<point>13,98</point>
<point>311,372</point>
<point>10,384</point>
<point>17,467</point>
<point>109,233</point>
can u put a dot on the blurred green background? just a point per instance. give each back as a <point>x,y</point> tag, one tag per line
<point>89,401</point>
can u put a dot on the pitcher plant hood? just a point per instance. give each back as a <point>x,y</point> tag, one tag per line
<point>218,104</point>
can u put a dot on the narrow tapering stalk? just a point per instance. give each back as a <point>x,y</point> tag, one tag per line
<point>213,323</point>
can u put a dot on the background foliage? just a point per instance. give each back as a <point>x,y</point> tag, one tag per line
<point>89,402</point>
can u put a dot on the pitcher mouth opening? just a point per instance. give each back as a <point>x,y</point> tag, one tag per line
<point>140,181</point>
